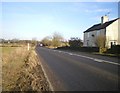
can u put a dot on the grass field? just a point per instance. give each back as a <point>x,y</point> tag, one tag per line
<point>7,49</point>
<point>21,70</point>
<point>12,63</point>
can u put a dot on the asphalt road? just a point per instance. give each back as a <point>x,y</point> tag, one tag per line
<point>68,71</point>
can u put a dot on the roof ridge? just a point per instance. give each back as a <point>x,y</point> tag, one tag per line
<point>100,26</point>
<point>112,20</point>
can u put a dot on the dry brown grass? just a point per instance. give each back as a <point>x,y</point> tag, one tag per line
<point>12,63</point>
<point>34,79</point>
<point>21,71</point>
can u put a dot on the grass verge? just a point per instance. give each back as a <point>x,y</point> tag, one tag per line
<point>21,70</point>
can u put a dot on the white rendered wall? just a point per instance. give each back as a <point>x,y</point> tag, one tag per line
<point>112,33</point>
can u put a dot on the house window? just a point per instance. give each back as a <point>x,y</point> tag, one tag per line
<point>114,43</point>
<point>93,35</point>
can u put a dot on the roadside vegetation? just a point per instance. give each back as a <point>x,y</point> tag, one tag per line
<point>12,63</point>
<point>21,70</point>
<point>54,41</point>
<point>76,44</point>
<point>100,42</point>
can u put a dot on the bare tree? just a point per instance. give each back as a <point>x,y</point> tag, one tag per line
<point>46,41</point>
<point>57,39</point>
<point>107,42</point>
<point>100,41</point>
<point>34,41</point>
<point>14,40</point>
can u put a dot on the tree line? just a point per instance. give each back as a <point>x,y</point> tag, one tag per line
<point>57,40</point>
<point>16,42</point>
<point>54,41</point>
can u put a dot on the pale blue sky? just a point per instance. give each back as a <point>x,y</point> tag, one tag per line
<point>39,19</point>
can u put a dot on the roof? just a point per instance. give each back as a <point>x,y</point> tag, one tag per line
<point>100,26</point>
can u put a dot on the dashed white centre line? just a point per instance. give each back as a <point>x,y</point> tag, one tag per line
<point>95,59</point>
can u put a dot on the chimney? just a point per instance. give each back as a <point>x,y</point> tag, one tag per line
<point>104,19</point>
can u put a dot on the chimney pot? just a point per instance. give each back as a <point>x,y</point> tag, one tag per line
<point>104,19</point>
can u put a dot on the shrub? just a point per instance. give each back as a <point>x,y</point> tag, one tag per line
<point>115,49</point>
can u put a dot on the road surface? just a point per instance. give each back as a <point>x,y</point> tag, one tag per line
<point>68,71</point>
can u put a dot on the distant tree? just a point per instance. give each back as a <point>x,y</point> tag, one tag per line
<point>34,41</point>
<point>75,42</point>
<point>57,39</point>
<point>14,40</point>
<point>46,41</point>
<point>65,43</point>
<point>2,40</point>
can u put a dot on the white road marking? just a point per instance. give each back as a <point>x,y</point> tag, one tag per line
<point>95,59</point>
<point>59,51</point>
<point>46,76</point>
<point>98,60</point>
<point>70,54</point>
<point>111,62</point>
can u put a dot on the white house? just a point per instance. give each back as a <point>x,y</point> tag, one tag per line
<point>110,29</point>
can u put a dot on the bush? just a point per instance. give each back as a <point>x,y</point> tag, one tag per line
<point>115,49</point>
<point>75,42</point>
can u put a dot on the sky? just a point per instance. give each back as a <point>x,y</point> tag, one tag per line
<point>27,20</point>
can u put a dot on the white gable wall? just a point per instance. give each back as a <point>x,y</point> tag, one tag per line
<point>90,40</point>
<point>112,34</point>
<point>119,31</point>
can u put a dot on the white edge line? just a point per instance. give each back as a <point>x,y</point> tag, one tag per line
<point>98,60</point>
<point>111,62</point>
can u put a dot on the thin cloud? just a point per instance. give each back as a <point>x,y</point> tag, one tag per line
<point>98,18</point>
<point>97,10</point>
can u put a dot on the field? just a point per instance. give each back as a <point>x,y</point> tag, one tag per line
<point>12,63</point>
<point>20,68</point>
